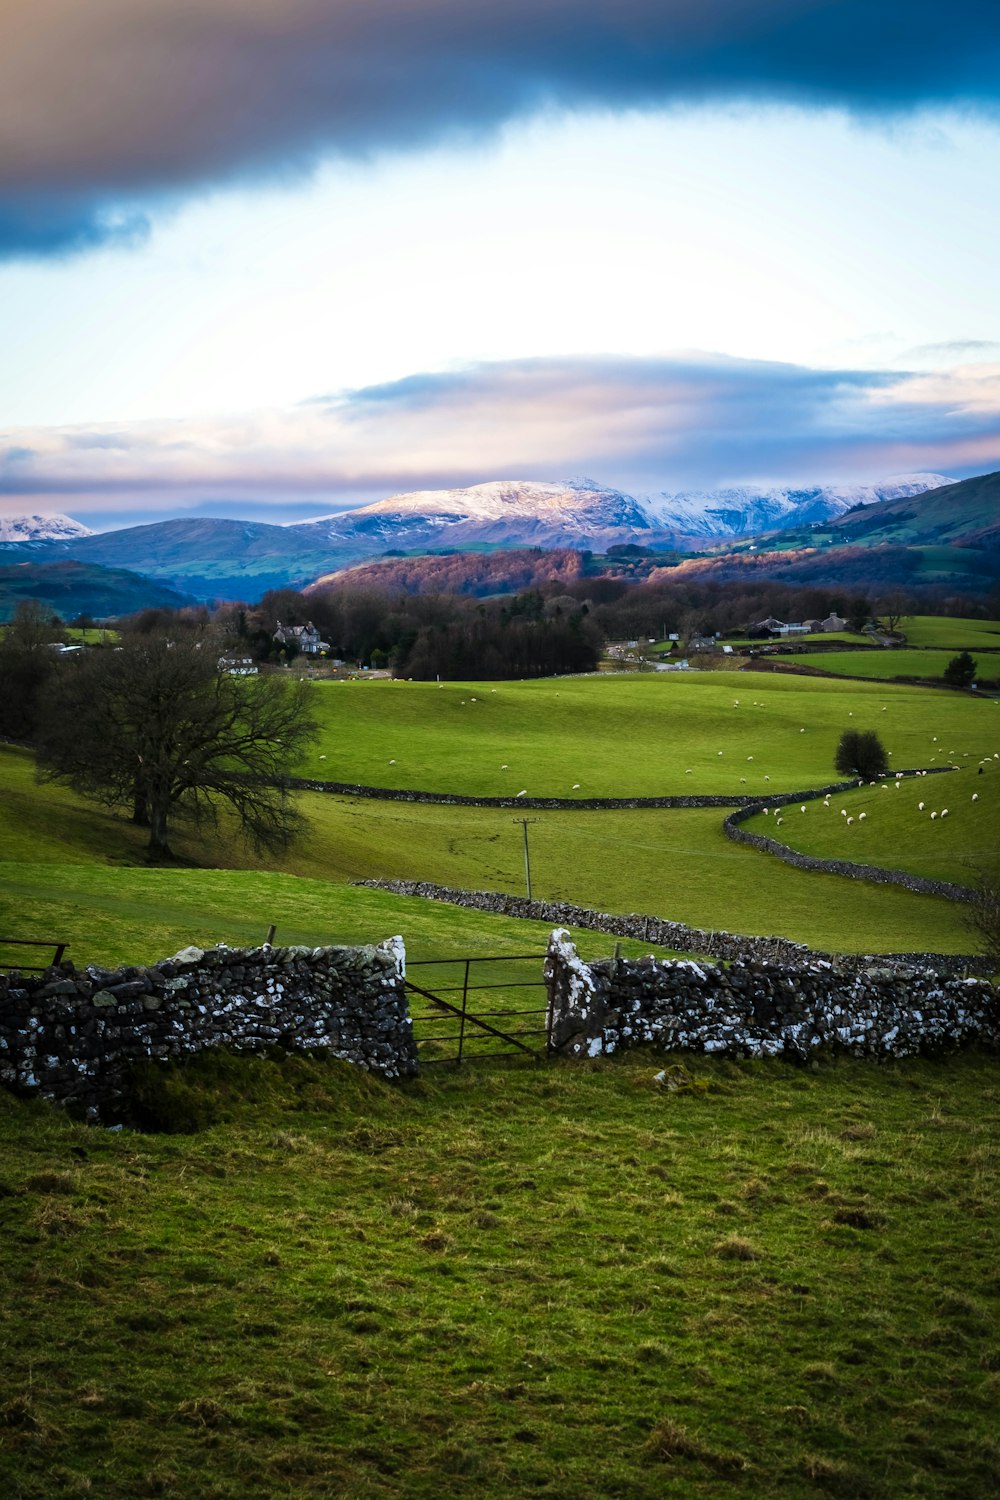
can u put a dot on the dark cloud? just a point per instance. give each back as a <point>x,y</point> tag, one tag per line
<point>111,99</point>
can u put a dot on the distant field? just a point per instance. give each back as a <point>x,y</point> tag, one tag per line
<point>889,663</point>
<point>895,832</point>
<point>955,634</point>
<point>639,735</point>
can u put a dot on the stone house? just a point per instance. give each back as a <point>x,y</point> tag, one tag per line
<point>306,637</point>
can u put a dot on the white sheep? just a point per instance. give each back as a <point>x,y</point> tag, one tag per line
<point>920,806</point>
<point>802,808</point>
<point>933,815</point>
<point>718,752</point>
<point>849,822</point>
<point>779,821</point>
<point>505,768</point>
<point>767,778</point>
<point>975,796</point>
<point>392,763</point>
<point>861,817</point>
<point>766,811</point>
<point>749,757</point>
<point>944,812</point>
<point>523,792</point>
<point>843,812</point>
<point>576,786</point>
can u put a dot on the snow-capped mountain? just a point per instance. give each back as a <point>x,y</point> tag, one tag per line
<point>41,529</point>
<point>742,511</point>
<point>515,512</point>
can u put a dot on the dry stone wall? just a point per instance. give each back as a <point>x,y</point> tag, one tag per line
<point>879,875</point>
<point>72,1037</point>
<point>758,1009</point>
<point>579,804</point>
<point>662,933</point>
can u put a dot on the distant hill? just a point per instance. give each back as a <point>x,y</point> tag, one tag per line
<point>875,569</point>
<point>71,588</point>
<point>965,514</point>
<point>479,574</point>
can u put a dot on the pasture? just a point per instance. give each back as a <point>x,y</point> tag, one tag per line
<point>641,735</point>
<point>565,1281</point>
<point>72,871</point>
<point>673,863</point>
<point>951,634</point>
<point>891,662</point>
<point>901,826</point>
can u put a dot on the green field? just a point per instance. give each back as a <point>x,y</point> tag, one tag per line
<point>676,864</point>
<point>565,1282</point>
<point>73,872</point>
<point>889,663</point>
<point>955,634</point>
<point>631,735</point>
<point>895,831</point>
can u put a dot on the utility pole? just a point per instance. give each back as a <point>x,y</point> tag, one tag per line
<point>527,860</point>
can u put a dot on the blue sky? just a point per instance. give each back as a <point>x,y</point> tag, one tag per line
<point>277,259</point>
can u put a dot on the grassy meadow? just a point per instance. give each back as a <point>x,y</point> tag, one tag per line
<point>954,633</point>
<point>628,735</point>
<point>565,1282</point>
<point>673,863</point>
<point>900,825</point>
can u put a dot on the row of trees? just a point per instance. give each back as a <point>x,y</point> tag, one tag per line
<point>530,634</point>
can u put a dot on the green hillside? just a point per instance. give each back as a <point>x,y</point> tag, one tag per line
<point>73,588</point>
<point>618,735</point>
<point>967,513</point>
<point>627,735</point>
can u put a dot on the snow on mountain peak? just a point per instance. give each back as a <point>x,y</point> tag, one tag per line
<point>56,528</point>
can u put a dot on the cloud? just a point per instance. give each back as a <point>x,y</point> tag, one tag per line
<point>111,101</point>
<point>644,425</point>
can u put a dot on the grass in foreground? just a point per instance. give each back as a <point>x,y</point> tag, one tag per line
<point>562,1281</point>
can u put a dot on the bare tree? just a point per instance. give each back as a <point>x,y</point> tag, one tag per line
<point>155,727</point>
<point>891,610</point>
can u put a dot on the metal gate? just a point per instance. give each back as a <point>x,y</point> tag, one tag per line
<point>450,1023</point>
<point>15,961</point>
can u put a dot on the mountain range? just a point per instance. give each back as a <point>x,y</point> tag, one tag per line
<point>728,513</point>
<point>208,558</point>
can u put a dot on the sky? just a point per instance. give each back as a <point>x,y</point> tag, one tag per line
<point>277,258</point>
